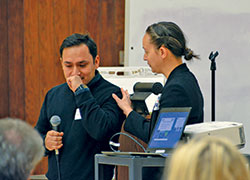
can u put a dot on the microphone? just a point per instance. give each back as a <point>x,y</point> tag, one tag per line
<point>55,121</point>
<point>155,88</point>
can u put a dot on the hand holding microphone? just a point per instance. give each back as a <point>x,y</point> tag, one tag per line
<point>53,139</point>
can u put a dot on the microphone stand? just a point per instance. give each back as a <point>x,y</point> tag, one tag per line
<point>212,57</point>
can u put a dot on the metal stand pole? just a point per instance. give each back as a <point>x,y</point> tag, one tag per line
<point>212,57</point>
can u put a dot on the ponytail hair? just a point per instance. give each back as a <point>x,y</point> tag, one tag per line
<point>168,34</point>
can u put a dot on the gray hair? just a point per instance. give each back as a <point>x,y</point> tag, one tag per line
<point>21,148</point>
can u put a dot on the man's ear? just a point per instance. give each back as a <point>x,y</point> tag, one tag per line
<point>61,61</point>
<point>163,52</point>
<point>97,61</point>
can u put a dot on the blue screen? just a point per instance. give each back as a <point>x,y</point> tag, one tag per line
<point>168,130</point>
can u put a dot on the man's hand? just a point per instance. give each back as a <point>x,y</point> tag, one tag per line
<point>53,140</point>
<point>124,103</point>
<point>74,82</point>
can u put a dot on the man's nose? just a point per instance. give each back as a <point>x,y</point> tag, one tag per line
<point>76,71</point>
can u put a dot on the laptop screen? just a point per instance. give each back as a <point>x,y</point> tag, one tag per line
<point>168,128</point>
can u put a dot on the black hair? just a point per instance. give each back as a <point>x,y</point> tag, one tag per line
<point>78,39</point>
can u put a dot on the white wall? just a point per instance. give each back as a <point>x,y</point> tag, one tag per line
<point>213,25</point>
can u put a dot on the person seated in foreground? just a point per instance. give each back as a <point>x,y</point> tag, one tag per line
<point>209,158</point>
<point>21,148</point>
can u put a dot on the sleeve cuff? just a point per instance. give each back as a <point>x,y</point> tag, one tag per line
<point>82,88</point>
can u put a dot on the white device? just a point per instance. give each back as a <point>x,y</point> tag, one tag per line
<point>233,131</point>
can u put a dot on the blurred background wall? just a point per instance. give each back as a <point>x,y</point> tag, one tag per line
<point>31,32</point>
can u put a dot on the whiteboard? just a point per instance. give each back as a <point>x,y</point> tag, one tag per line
<point>222,26</point>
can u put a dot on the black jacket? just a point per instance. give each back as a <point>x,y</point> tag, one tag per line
<point>180,90</point>
<point>83,138</point>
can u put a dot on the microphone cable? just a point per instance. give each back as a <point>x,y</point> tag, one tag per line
<point>111,143</point>
<point>58,167</point>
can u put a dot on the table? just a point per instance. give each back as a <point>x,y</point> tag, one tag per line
<point>38,177</point>
<point>134,163</point>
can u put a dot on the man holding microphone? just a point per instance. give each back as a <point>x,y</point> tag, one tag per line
<point>88,113</point>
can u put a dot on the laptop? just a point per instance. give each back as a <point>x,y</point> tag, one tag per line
<point>166,134</point>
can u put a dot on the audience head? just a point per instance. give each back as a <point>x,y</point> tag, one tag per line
<point>169,35</point>
<point>21,148</point>
<point>209,158</point>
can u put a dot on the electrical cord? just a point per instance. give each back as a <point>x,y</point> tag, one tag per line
<point>111,143</point>
<point>58,168</point>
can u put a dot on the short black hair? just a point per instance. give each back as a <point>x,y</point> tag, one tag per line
<point>78,39</point>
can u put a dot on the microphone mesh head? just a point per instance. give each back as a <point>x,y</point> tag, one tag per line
<point>55,120</point>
